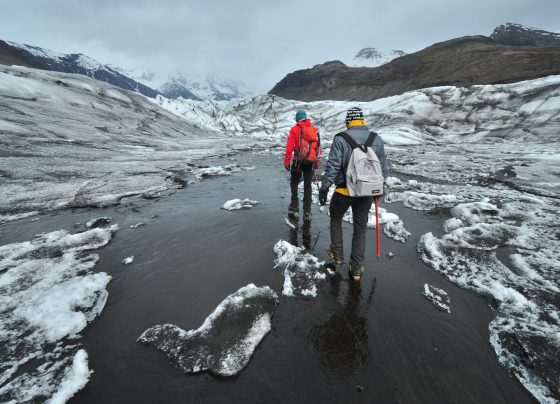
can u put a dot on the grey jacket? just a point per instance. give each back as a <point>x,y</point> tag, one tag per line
<point>341,150</point>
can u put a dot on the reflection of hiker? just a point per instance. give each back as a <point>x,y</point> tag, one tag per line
<point>342,340</point>
<point>303,154</point>
<point>305,234</point>
<point>335,173</point>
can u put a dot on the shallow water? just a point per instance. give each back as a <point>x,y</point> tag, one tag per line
<point>382,337</point>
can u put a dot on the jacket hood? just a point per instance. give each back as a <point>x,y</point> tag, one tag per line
<point>307,122</point>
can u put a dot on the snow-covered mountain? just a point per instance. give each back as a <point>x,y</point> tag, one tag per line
<point>372,57</point>
<point>140,80</point>
<point>176,84</point>
<point>212,87</point>
<point>32,56</point>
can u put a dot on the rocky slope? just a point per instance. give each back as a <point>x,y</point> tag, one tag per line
<point>519,35</point>
<point>460,62</point>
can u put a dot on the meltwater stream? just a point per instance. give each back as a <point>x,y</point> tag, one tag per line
<point>381,341</point>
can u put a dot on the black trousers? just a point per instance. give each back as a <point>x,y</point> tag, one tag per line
<point>360,209</point>
<point>305,170</point>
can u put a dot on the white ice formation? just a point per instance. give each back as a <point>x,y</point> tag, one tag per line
<point>522,285</point>
<point>128,260</point>
<point>225,342</point>
<point>438,297</point>
<point>302,271</point>
<point>238,204</point>
<point>217,171</point>
<point>48,295</point>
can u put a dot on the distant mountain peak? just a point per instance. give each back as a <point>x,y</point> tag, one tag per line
<point>176,84</point>
<point>521,35</point>
<point>76,63</point>
<point>373,57</point>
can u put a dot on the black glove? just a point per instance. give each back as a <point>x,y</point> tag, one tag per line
<point>323,192</point>
<point>287,168</point>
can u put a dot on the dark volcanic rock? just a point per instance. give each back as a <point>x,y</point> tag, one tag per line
<point>460,62</point>
<point>519,35</point>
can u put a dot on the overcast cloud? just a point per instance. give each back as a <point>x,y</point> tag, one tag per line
<point>258,42</point>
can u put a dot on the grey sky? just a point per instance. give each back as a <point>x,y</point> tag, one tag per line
<point>258,42</point>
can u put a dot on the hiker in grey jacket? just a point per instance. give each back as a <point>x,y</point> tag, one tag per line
<point>335,173</point>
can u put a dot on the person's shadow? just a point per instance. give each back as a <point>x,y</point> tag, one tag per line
<point>342,340</point>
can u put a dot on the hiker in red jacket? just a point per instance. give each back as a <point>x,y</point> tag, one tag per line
<point>303,154</point>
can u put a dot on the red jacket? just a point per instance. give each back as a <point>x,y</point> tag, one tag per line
<point>292,144</point>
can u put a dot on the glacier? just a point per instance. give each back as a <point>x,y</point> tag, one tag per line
<point>48,295</point>
<point>485,158</point>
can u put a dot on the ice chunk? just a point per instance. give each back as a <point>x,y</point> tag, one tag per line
<point>452,224</point>
<point>393,182</point>
<point>477,212</point>
<point>98,222</point>
<point>75,379</point>
<point>301,270</point>
<point>420,200</point>
<point>217,171</point>
<point>437,296</point>
<point>225,342</point>
<point>396,231</point>
<point>9,218</point>
<point>139,224</point>
<point>290,224</point>
<point>48,294</point>
<point>237,204</point>
<point>128,260</point>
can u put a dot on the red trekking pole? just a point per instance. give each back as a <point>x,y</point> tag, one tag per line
<point>377,232</point>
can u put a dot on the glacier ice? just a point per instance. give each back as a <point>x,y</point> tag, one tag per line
<point>48,294</point>
<point>521,288</point>
<point>437,296</point>
<point>238,204</point>
<point>225,342</point>
<point>302,270</point>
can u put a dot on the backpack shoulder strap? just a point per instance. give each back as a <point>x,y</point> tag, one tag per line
<point>349,139</point>
<point>370,139</point>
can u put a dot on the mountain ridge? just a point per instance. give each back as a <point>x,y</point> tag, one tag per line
<point>462,62</point>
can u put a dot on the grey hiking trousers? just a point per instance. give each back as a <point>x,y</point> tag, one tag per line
<point>360,208</point>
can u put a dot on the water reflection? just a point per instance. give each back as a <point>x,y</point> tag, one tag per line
<point>342,340</point>
<point>305,231</point>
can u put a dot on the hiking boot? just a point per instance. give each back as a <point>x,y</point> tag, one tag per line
<point>355,274</point>
<point>334,257</point>
<point>306,216</point>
